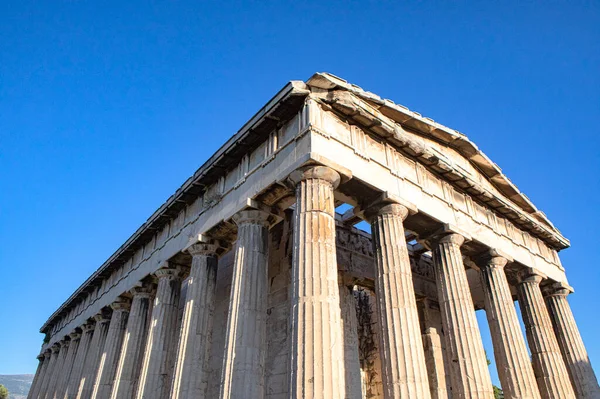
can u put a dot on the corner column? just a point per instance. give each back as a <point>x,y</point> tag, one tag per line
<point>401,348</point>
<point>243,373</point>
<point>512,360</point>
<point>39,375</point>
<point>548,365</point>
<point>134,342</point>
<point>49,371</point>
<point>317,361</point>
<point>72,390</point>
<point>571,345</point>
<point>159,356</point>
<point>38,389</point>
<point>469,373</point>
<point>191,369</point>
<point>107,367</point>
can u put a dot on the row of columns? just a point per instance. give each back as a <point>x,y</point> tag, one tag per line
<point>140,353</point>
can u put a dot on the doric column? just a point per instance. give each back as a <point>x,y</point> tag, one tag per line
<point>72,390</point>
<point>58,367</point>
<point>68,365</point>
<point>191,368</point>
<point>92,361</point>
<point>317,368</point>
<point>49,371</point>
<point>159,356</point>
<point>107,367</point>
<point>548,365</point>
<point>400,343</point>
<point>512,361</point>
<point>469,373</point>
<point>39,375</point>
<point>243,374</point>
<point>571,345</point>
<point>134,342</point>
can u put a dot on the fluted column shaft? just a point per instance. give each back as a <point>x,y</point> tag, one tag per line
<point>58,368</point>
<point>317,367</point>
<point>134,342</point>
<point>35,392</point>
<point>49,371</point>
<point>49,394</point>
<point>548,365</point>
<point>68,366</point>
<point>107,366</point>
<point>571,345</point>
<point>79,363</point>
<point>191,368</point>
<point>469,373</point>
<point>39,375</point>
<point>92,361</point>
<point>244,359</point>
<point>159,356</point>
<point>400,343</point>
<point>512,360</point>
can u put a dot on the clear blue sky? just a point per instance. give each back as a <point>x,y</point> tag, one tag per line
<point>107,107</point>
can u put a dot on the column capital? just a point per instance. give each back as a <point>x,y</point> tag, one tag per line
<point>557,289</point>
<point>41,356</point>
<point>47,354</point>
<point>448,233</point>
<point>493,258</point>
<point>388,204</point>
<point>145,290</point>
<point>200,244</point>
<point>203,249</point>
<point>64,343</point>
<point>170,272</point>
<point>74,335</point>
<point>123,304</point>
<point>529,275</point>
<point>317,172</point>
<point>252,216</point>
<point>88,326</point>
<point>55,348</point>
<point>102,317</point>
<point>449,237</point>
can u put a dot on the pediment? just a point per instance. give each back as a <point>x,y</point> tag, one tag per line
<point>444,150</point>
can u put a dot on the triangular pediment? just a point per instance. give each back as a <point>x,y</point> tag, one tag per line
<point>442,149</point>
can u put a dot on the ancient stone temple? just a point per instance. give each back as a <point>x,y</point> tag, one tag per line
<point>247,283</point>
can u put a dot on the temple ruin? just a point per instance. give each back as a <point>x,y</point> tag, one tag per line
<point>246,282</point>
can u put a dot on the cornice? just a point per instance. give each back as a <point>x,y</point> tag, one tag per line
<point>391,122</point>
<point>284,105</point>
